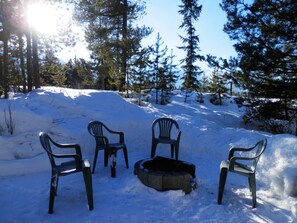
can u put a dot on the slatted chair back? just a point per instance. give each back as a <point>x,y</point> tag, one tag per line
<point>95,128</point>
<point>165,126</point>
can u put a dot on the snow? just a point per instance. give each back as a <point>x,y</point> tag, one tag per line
<point>208,131</point>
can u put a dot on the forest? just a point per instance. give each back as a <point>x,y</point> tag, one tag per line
<point>264,32</point>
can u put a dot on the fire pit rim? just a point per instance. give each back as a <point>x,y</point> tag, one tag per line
<point>166,180</point>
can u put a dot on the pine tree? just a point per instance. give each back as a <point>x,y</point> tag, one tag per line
<point>217,86</point>
<point>167,79</point>
<point>205,83</point>
<point>58,75</point>
<point>266,36</point>
<point>84,75</point>
<point>6,29</point>
<point>17,35</point>
<point>158,55</point>
<point>112,36</point>
<point>164,81</point>
<point>52,72</point>
<point>163,71</point>
<point>191,12</point>
<point>172,72</point>
<point>140,77</point>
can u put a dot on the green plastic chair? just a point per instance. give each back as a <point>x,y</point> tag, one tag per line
<point>243,165</point>
<point>73,164</point>
<point>100,132</point>
<point>165,127</point>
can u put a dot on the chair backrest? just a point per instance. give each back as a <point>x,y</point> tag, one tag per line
<point>95,128</point>
<point>165,126</point>
<point>261,148</point>
<point>45,142</point>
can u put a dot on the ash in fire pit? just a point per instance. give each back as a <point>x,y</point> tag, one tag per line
<point>166,174</point>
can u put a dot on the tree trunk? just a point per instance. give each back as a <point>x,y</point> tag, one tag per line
<point>35,61</point>
<point>29,61</point>
<point>124,45</point>
<point>5,67</point>
<point>22,63</point>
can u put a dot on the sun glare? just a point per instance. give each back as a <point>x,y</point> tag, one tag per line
<point>43,18</point>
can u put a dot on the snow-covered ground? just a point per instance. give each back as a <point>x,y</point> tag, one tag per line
<point>208,131</point>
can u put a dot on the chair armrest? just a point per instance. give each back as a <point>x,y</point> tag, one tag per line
<point>122,137</point>
<point>73,146</point>
<point>235,149</point>
<point>75,156</point>
<point>114,132</point>
<point>234,159</point>
<point>111,131</point>
<point>121,134</point>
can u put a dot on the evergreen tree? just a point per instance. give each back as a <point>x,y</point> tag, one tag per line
<point>6,28</point>
<point>17,35</point>
<point>266,36</point>
<point>58,74</point>
<point>164,81</point>
<point>12,29</point>
<point>217,87</point>
<point>190,9</point>
<point>140,77</point>
<point>172,72</point>
<point>163,71</point>
<point>167,78</point>
<point>83,74</point>
<point>72,74</point>
<point>52,72</point>
<point>205,83</point>
<point>112,36</point>
<point>14,75</point>
<point>158,55</point>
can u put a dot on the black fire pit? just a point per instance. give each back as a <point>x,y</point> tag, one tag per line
<point>166,174</point>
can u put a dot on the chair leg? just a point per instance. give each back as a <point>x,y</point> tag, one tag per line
<point>176,151</point>
<point>172,150</point>
<point>88,183</point>
<point>106,157</point>
<point>153,149</point>
<point>252,181</point>
<point>126,156</point>
<point>53,190</point>
<point>57,184</point>
<point>223,177</point>
<point>113,162</point>
<point>95,159</point>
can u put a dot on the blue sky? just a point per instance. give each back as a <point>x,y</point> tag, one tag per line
<point>163,17</point>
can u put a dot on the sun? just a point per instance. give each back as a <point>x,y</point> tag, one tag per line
<point>44,18</point>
